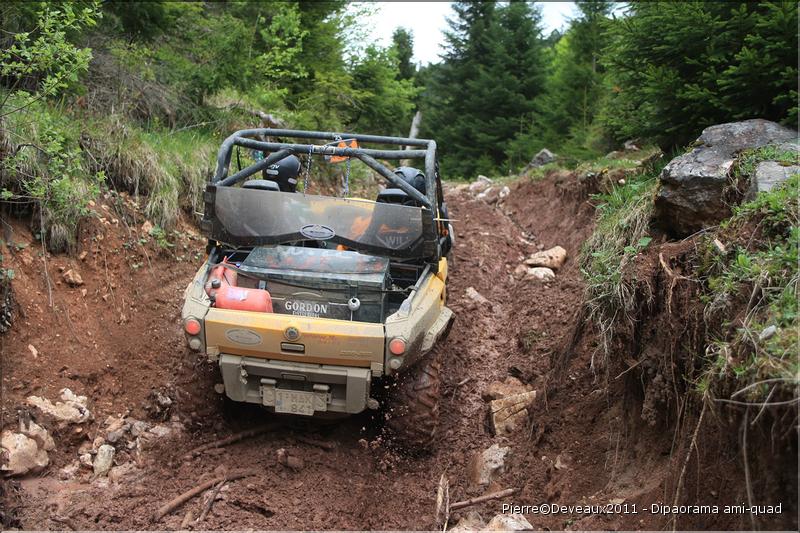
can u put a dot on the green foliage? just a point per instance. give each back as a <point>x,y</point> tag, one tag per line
<point>758,271</point>
<point>677,67</point>
<point>42,58</point>
<point>48,172</point>
<point>622,229</point>
<point>403,46</point>
<point>481,96</point>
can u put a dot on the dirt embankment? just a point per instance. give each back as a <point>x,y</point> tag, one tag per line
<point>120,344</point>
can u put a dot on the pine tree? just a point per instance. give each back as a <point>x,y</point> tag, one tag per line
<point>403,45</point>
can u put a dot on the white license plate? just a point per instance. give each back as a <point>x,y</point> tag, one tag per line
<point>294,402</point>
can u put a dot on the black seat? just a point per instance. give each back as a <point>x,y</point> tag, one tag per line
<point>396,196</point>
<point>262,185</point>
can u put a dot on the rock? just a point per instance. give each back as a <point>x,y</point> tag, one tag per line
<point>540,273</point>
<point>72,278</point>
<point>508,522</point>
<point>96,443</point>
<point>690,197</point>
<point>83,255</point>
<point>485,465</point>
<point>72,410</point>
<point>521,270</point>
<point>562,461</point>
<point>511,413</point>
<point>768,175</point>
<point>86,459</point>
<point>476,297</point>
<point>291,461</point>
<point>118,472</point>
<point>160,431</point>
<point>69,471</point>
<point>39,434</point>
<point>484,179</point>
<point>33,350</point>
<point>631,145</point>
<point>504,192</point>
<point>147,227</point>
<point>553,258</point>
<point>21,454</point>
<point>104,460</point>
<point>500,389</point>
<point>490,196</point>
<point>471,522</point>
<point>767,333</point>
<point>543,157</point>
<point>480,185</point>
<point>138,427</point>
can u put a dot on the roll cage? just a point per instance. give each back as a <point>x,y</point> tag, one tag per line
<point>432,210</point>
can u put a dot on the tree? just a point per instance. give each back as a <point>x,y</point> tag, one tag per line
<point>478,99</point>
<point>679,67</point>
<point>403,46</point>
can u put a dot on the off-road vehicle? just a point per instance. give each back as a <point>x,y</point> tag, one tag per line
<point>307,302</point>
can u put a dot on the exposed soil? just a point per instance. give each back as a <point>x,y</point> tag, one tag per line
<point>120,344</point>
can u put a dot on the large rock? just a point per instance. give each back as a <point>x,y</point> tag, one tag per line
<point>553,258</point>
<point>104,460</point>
<point>485,465</point>
<point>692,185</point>
<point>72,410</point>
<point>511,413</point>
<point>543,157</point>
<point>21,455</point>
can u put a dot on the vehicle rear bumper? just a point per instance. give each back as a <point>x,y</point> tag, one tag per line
<point>338,389</point>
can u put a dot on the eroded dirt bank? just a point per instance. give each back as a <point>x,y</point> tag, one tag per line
<point>120,344</point>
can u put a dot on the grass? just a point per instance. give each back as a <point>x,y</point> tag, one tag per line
<point>56,160</point>
<point>752,290</point>
<point>622,230</point>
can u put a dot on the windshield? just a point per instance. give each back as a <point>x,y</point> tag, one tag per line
<point>251,217</point>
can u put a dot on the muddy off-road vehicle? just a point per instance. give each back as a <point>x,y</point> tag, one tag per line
<point>317,304</point>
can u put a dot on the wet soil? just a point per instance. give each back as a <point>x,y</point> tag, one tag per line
<point>120,343</point>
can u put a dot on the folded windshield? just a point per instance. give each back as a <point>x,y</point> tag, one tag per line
<point>249,217</point>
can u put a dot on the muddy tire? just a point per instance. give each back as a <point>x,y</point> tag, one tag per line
<point>413,416</point>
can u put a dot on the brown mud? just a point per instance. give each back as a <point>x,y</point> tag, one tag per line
<point>120,344</point>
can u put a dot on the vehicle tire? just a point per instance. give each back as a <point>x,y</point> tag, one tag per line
<point>413,416</point>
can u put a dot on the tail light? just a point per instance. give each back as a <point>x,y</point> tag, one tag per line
<point>397,346</point>
<point>192,326</point>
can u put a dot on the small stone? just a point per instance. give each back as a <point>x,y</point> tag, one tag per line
<point>138,427</point>
<point>97,442</point>
<point>84,292</point>
<point>475,296</point>
<point>767,333</point>
<point>469,523</point>
<point>104,460</point>
<point>288,460</point>
<point>504,192</point>
<point>83,255</point>
<point>86,460</point>
<point>33,350</point>
<point>540,274</point>
<point>72,278</point>
<point>562,462</point>
<point>509,522</point>
<point>69,471</point>
<point>118,472</point>
<point>521,270</point>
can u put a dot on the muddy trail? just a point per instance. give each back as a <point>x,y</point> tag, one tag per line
<point>116,339</point>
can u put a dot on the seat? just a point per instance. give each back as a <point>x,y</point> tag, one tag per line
<point>262,185</point>
<point>396,196</point>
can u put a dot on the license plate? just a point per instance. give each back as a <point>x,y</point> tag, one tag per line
<point>294,402</point>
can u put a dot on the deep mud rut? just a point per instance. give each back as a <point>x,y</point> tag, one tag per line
<point>122,341</point>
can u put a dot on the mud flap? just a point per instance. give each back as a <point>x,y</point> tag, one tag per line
<point>439,330</point>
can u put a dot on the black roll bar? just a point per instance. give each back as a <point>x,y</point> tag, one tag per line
<point>279,151</point>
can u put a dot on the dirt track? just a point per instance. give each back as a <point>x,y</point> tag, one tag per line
<point>121,342</point>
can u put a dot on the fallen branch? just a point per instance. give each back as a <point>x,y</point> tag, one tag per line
<point>481,499</point>
<point>236,437</point>
<point>189,494</point>
<point>210,501</point>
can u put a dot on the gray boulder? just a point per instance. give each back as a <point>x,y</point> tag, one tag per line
<point>543,157</point>
<point>691,194</point>
<point>770,174</point>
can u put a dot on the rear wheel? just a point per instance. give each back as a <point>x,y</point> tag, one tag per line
<point>413,415</point>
